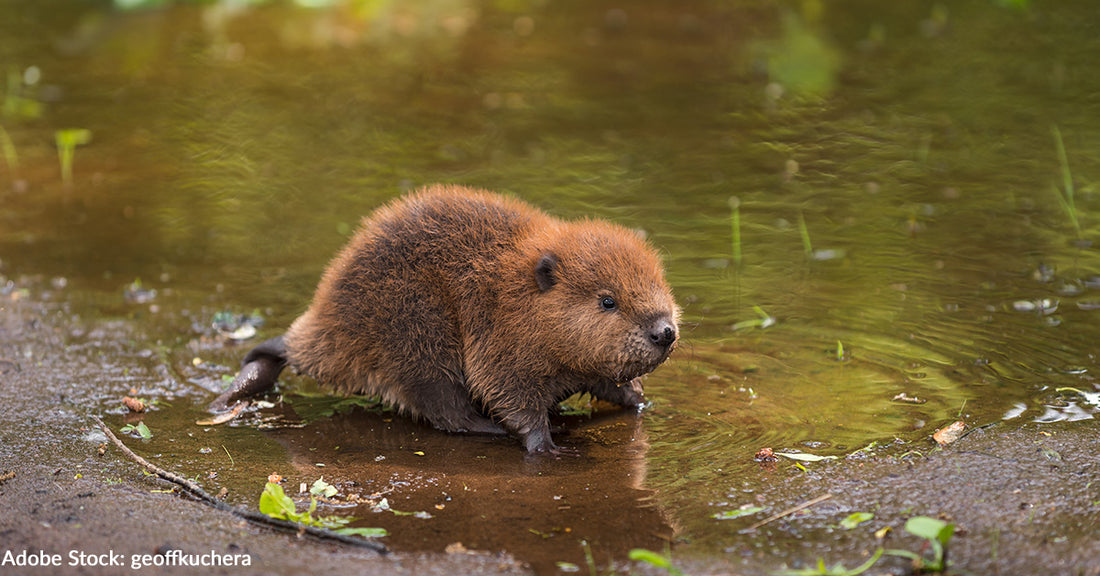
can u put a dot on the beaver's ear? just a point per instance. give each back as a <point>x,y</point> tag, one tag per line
<point>546,271</point>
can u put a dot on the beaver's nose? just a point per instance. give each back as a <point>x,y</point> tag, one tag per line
<point>662,334</point>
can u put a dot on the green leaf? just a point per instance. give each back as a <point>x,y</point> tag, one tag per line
<point>363,532</point>
<point>928,528</point>
<point>275,503</point>
<point>731,514</point>
<point>856,519</point>
<point>322,488</point>
<point>649,557</point>
<point>804,457</point>
<point>905,554</point>
<point>837,569</point>
<point>73,137</point>
<point>144,431</point>
<point>140,428</point>
<point>867,565</point>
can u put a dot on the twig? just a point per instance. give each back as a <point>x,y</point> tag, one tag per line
<point>789,511</point>
<point>255,517</point>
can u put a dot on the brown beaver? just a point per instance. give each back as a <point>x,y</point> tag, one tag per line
<point>479,313</point>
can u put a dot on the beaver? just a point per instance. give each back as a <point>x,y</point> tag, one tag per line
<point>479,313</point>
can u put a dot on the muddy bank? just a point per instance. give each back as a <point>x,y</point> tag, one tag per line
<point>64,498</point>
<point>1024,500</point>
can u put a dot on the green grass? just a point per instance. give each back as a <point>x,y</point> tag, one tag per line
<point>67,141</point>
<point>837,569</point>
<point>1067,195</point>
<point>735,228</point>
<point>804,232</point>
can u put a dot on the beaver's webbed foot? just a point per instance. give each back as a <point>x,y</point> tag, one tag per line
<point>534,430</point>
<point>627,395</point>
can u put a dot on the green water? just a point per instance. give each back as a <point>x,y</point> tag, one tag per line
<point>895,168</point>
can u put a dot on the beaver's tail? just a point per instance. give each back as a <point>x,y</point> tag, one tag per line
<point>259,371</point>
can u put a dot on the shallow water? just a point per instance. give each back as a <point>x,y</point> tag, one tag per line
<point>895,169</point>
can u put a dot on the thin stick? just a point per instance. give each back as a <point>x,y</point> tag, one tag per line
<point>789,511</point>
<point>254,517</point>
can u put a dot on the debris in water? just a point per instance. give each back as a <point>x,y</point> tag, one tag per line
<point>1042,306</point>
<point>788,512</point>
<point>236,326</point>
<point>903,397</point>
<point>855,519</point>
<point>224,416</point>
<point>133,404</point>
<point>949,433</point>
<point>765,455</point>
<point>1090,397</point>
<point>137,294</point>
<point>740,512</point>
<point>804,457</point>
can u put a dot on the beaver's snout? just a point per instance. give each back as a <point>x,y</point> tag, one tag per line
<point>662,333</point>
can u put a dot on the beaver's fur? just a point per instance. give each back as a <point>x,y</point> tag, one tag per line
<point>479,313</point>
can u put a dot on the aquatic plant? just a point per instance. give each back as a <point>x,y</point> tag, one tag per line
<point>804,232</point>
<point>140,429</point>
<point>17,103</point>
<point>655,559</point>
<point>8,149</point>
<point>855,519</point>
<point>1066,196</point>
<point>67,141</point>
<point>764,320</point>
<point>938,533</point>
<point>735,228</point>
<point>837,569</point>
<point>275,503</point>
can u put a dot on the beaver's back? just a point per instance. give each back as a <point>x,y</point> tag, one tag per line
<point>389,312</point>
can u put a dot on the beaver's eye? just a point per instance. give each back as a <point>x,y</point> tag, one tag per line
<point>608,303</point>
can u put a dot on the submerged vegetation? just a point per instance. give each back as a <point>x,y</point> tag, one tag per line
<point>1067,196</point>
<point>652,558</point>
<point>937,534</point>
<point>67,141</point>
<point>838,569</point>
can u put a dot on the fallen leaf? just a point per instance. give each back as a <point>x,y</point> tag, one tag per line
<point>855,519</point>
<point>949,433</point>
<point>731,514</point>
<point>133,404</point>
<point>804,457</point>
<point>224,416</point>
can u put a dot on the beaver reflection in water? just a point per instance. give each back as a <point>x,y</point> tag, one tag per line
<point>479,313</point>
